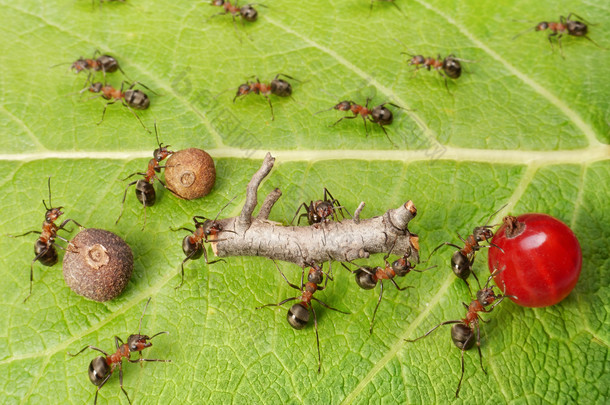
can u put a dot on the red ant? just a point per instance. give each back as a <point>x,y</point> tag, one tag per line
<point>564,26</point>
<point>131,99</point>
<point>368,277</point>
<point>102,367</point>
<point>246,12</point>
<point>279,87</point>
<point>44,249</point>
<point>205,232</point>
<point>448,67</point>
<point>463,259</point>
<point>298,314</point>
<point>463,331</point>
<point>99,62</point>
<point>145,192</point>
<point>321,211</point>
<point>378,115</point>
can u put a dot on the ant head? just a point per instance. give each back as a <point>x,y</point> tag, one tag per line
<point>217,3</point>
<point>343,106</point>
<point>211,227</point>
<point>162,152</point>
<point>280,87</point>
<point>417,59</point>
<point>52,214</point>
<point>577,28</point>
<point>482,233</point>
<point>298,316</point>
<point>248,13</point>
<point>462,336</point>
<point>98,370</point>
<point>315,275</point>
<point>96,87</point>
<point>364,278</point>
<point>542,26</point>
<point>137,343</point>
<point>382,115</point>
<point>79,65</point>
<point>323,210</point>
<point>244,89</point>
<point>402,267</point>
<point>452,67</point>
<point>486,296</point>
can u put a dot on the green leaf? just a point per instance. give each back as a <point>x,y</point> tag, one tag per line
<point>522,126</point>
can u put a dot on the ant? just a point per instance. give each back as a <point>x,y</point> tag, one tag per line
<point>448,67</point>
<point>368,277</point>
<point>131,99</point>
<point>246,12</point>
<point>279,87</point>
<point>378,115</point>
<point>321,211</point>
<point>564,26</point>
<point>145,192</point>
<point>44,249</point>
<point>463,331</point>
<point>104,63</point>
<point>205,232</point>
<point>298,314</point>
<point>102,367</point>
<point>463,259</point>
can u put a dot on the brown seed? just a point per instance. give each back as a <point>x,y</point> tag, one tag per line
<point>97,264</point>
<point>190,173</point>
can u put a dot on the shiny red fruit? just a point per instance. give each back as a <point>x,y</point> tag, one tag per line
<point>541,259</point>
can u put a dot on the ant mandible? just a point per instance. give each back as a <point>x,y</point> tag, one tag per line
<point>130,98</point>
<point>205,232</point>
<point>564,26</point>
<point>368,277</point>
<point>463,259</point>
<point>378,115</point>
<point>102,367</point>
<point>44,249</point>
<point>321,211</point>
<point>298,314</point>
<point>464,330</point>
<point>145,191</point>
<point>279,87</point>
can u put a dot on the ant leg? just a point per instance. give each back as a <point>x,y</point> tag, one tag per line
<point>387,136</point>
<point>296,213</point>
<point>66,222</point>
<point>315,326</point>
<point>462,375</point>
<point>143,360</point>
<point>125,196</point>
<point>38,256</point>
<point>205,256</point>
<point>103,382</point>
<point>104,111</point>
<point>433,329</point>
<point>181,229</point>
<point>285,75</point>
<point>279,303</point>
<point>116,342</point>
<point>343,118</point>
<point>468,285</point>
<point>476,278</point>
<point>270,106</point>
<point>88,347</point>
<point>136,115</point>
<point>23,234</point>
<point>121,381</point>
<point>182,266</point>
<point>479,348</point>
<point>376,306</point>
<point>438,247</point>
<point>325,305</point>
<point>399,288</point>
<point>284,277</point>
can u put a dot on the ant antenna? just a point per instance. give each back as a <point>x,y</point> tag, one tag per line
<point>43,201</point>
<point>143,312</point>
<point>492,215</point>
<point>524,32</point>
<point>225,206</point>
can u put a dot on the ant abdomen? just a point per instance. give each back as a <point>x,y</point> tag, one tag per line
<point>281,88</point>
<point>382,115</point>
<point>188,247</point>
<point>49,258</point>
<point>108,63</point>
<point>145,192</point>
<point>98,370</point>
<point>461,265</point>
<point>137,99</point>
<point>577,28</point>
<point>462,336</point>
<point>297,316</point>
<point>365,279</point>
<point>248,13</point>
<point>452,67</point>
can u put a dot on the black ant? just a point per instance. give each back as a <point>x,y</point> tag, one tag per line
<point>378,115</point>
<point>205,232</point>
<point>44,249</point>
<point>464,330</point>
<point>130,98</point>
<point>564,26</point>
<point>463,259</point>
<point>279,87</point>
<point>368,277</point>
<point>145,191</point>
<point>321,211</point>
<point>298,314</point>
<point>102,367</point>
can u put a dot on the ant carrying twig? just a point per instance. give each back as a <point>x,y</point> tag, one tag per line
<point>564,26</point>
<point>368,277</point>
<point>463,259</point>
<point>206,231</point>
<point>102,367</point>
<point>378,115</point>
<point>44,249</point>
<point>465,332</point>
<point>321,210</point>
<point>145,191</point>
<point>278,87</point>
<point>130,98</point>
<point>298,314</point>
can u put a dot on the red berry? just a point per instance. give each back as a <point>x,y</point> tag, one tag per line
<point>541,259</point>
